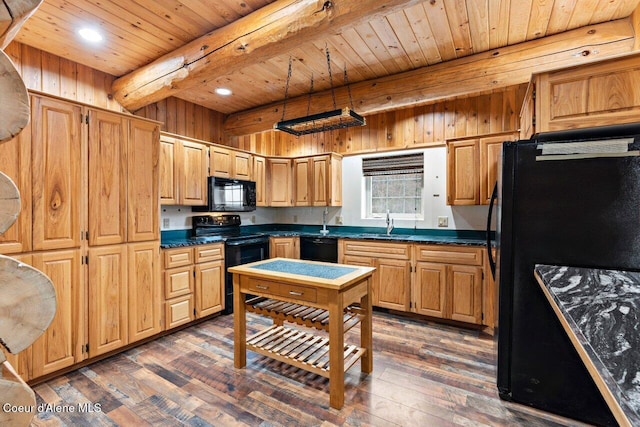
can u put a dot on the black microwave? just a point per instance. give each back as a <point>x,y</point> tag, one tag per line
<point>229,195</point>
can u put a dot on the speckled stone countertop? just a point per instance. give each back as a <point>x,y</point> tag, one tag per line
<point>602,310</point>
<point>179,238</point>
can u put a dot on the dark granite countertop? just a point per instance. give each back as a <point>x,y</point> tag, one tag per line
<point>602,310</point>
<point>178,238</point>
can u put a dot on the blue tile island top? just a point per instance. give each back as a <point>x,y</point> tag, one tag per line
<point>305,269</point>
<point>602,310</point>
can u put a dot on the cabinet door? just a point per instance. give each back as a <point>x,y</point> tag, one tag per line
<point>321,168</point>
<point>462,173</point>
<point>108,313</point>
<point>107,178</point>
<point>61,343</point>
<point>209,288</point>
<point>279,182</point>
<point>260,177</point>
<point>301,182</point>
<point>193,178</point>
<point>490,161</point>
<point>179,311</point>
<point>242,165</point>
<point>15,162</point>
<point>335,195</point>
<point>465,293</point>
<point>169,170</point>
<point>56,173</point>
<point>392,287</point>
<point>220,162</point>
<point>284,247</point>
<point>430,289</point>
<point>144,200</point>
<point>145,290</point>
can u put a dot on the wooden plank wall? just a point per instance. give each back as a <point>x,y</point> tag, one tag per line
<point>420,126</point>
<point>51,74</point>
<point>187,119</point>
<point>411,127</point>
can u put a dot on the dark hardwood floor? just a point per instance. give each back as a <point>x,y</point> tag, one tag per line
<point>425,374</point>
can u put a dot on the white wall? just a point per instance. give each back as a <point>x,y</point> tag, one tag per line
<point>435,202</point>
<point>180,217</point>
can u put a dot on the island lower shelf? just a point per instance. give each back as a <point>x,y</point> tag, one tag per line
<point>301,349</point>
<point>303,315</point>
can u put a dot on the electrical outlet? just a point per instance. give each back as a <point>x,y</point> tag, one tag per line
<point>339,220</point>
<point>295,218</point>
<point>166,222</point>
<point>443,221</point>
<point>253,219</point>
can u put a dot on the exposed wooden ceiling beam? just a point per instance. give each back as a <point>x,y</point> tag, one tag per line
<point>261,35</point>
<point>13,14</point>
<point>472,74</point>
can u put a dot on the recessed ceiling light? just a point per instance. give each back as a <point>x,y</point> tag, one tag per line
<point>90,35</point>
<point>223,91</point>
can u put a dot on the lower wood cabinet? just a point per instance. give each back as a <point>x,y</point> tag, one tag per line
<point>392,278</point>
<point>449,282</point>
<point>60,346</point>
<point>193,282</point>
<point>124,295</point>
<point>284,247</point>
<point>444,281</point>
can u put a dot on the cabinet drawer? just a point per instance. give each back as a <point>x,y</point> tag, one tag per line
<point>301,293</point>
<point>177,257</point>
<point>263,286</point>
<point>178,281</point>
<point>179,311</point>
<point>370,248</point>
<point>449,254</point>
<point>207,253</point>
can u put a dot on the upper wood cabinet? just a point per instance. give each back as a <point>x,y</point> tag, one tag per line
<point>221,162</point>
<point>599,94</point>
<point>184,167</point>
<point>56,173</point>
<point>472,168</point>
<point>242,165</point>
<point>143,204</point>
<point>229,163</point>
<point>108,136</point>
<point>279,182</point>
<point>317,180</point>
<point>260,177</point>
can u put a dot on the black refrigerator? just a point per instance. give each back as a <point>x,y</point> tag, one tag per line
<point>566,198</point>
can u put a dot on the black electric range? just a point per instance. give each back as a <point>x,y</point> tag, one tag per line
<point>240,247</point>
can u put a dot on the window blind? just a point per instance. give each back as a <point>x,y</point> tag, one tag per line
<point>393,165</point>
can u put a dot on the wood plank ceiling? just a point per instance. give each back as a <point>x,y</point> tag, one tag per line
<point>137,32</point>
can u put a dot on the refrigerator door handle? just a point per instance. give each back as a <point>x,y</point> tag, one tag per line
<point>492,262</point>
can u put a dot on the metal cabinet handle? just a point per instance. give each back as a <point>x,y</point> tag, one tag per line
<point>298,294</point>
<point>262,287</point>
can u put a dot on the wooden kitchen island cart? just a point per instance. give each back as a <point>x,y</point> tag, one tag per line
<point>325,296</point>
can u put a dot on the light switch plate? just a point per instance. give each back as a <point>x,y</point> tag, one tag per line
<point>166,222</point>
<point>443,221</point>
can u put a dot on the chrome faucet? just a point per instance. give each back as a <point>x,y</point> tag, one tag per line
<point>389,223</point>
<point>324,221</point>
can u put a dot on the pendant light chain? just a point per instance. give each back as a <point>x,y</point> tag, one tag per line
<point>310,92</point>
<point>333,92</point>
<point>346,82</point>
<point>286,90</point>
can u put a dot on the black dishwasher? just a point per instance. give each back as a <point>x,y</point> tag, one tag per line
<point>319,248</point>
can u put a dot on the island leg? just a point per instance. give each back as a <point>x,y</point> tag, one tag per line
<point>239,326</point>
<point>366,331</point>
<point>336,351</point>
